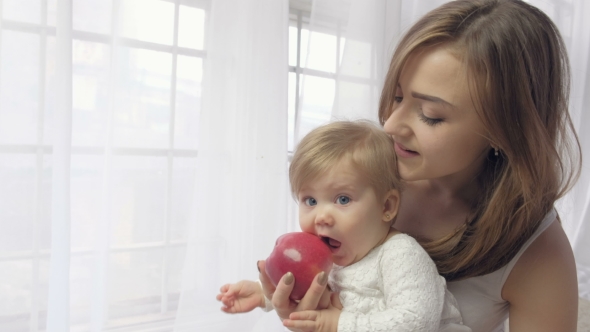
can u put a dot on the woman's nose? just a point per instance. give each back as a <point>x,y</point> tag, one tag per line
<point>397,123</point>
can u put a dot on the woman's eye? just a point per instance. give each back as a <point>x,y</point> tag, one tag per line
<point>310,201</point>
<point>429,121</point>
<point>343,200</point>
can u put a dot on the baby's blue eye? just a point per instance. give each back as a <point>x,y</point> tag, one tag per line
<point>343,200</point>
<point>310,201</point>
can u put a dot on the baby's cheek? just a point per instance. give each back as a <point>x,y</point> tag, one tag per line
<point>306,225</point>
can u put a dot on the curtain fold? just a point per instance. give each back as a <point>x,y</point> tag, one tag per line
<point>241,189</point>
<point>58,314</point>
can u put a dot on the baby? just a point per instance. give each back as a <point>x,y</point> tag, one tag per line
<point>348,195</point>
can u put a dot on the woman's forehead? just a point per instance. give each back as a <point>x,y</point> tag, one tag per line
<point>436,72</point>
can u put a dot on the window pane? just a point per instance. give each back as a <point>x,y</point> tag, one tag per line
<point>135,280</point>
<point>83,288</point>
<point>16,286</point>
<point>17,202</point>
<point>317,98</point>
<point>92,15</point>
<point>19,87</point>
<point>51,12</point>
<point>358,97</point>
<point>91,66</point>
<point>87,214</point>
<point>147,20</point>
<point>139,199</point>
<point>22,10</point>
<point>304,47</point>
<point>142,103</point>
<point>291,111</point>
<point>183,185</point>
<point>175,257</point>
<point>322,52</point>
<point>189,74</point>
<point>292,46</point>
<point>191,27</point>
<point>359,59</point>
<point>50,87</point>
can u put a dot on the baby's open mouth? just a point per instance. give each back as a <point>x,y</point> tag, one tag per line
<point>334,244</point>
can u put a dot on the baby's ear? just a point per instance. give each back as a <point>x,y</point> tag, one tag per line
<point>390,205</point>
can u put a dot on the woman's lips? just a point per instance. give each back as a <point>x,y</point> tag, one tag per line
<point>403,152</point>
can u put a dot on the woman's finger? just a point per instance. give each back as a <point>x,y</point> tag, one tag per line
<point>324,300</point>
<point>311,299</point>
<point>267,287</point>
<point>280,298</point>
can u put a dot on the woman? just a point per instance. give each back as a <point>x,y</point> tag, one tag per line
<point>476,100</point>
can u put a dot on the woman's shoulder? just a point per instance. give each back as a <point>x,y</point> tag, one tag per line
<point>543,282</point>
<point>549,254</point>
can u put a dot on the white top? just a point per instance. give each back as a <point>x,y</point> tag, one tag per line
<point>396,287</point>
<point>480,298</point>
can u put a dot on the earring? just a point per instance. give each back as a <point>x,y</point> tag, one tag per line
<point>496,152</point>
<point>387,216</point>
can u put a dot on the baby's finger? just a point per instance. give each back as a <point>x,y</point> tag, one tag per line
<point>224,288</point>
<point>310,315</point>
<point>229,310</point>
<point>228,302</point>
<point>299,325</point>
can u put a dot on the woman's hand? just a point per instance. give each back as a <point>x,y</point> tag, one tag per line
<point>325,320</point>
<point>317,297</point>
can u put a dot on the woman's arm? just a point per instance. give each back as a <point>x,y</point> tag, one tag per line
<point>542,288</point>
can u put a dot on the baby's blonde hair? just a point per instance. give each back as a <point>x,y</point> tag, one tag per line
<point>364,143</point>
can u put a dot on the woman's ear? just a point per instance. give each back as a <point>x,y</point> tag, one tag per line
<point>390,205</point>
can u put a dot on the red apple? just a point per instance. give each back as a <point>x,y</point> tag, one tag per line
<point>302,254</point>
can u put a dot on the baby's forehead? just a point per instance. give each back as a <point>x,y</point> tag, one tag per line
<point>340,177</point>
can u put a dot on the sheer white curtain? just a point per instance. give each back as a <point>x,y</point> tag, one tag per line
<point>240,206</point>
<point>368,31</point>
<point>143,159</point>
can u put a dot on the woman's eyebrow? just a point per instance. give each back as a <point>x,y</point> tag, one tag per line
<point>431,98</point>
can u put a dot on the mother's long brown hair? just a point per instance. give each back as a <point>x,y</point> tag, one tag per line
<point>519,82</point>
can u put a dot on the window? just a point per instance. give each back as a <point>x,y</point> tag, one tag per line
<point>314,58</point>
<point>141,75</point>
<point>329,80</point>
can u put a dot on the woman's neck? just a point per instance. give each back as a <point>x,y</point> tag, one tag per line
<point>463,186</point>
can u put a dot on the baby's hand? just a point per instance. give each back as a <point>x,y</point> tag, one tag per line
<point>325,320</point>
<point>243,296</point>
